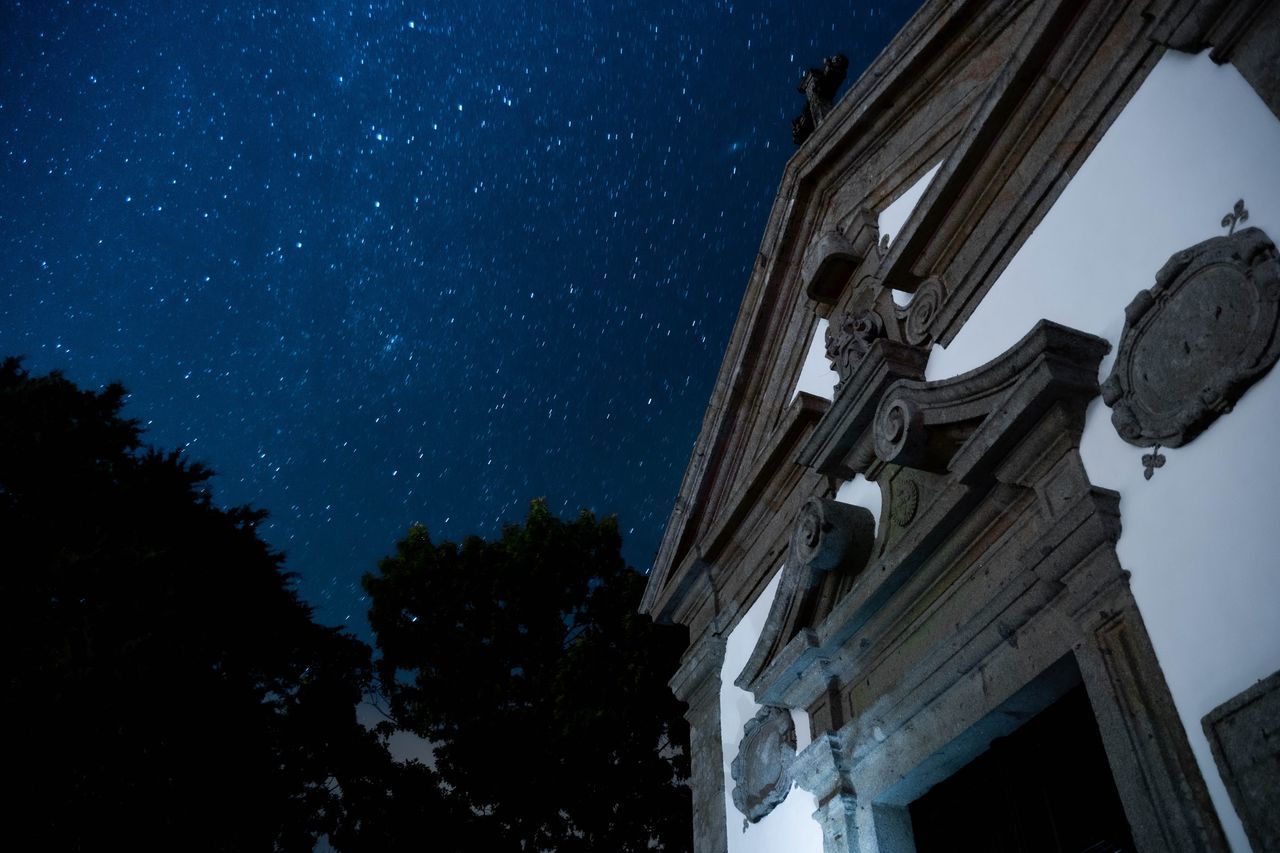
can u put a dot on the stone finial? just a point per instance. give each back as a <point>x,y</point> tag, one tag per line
<point>819,87</point>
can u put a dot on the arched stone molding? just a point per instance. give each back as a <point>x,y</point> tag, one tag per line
<point>831,542</point>
<point>1000,591</point>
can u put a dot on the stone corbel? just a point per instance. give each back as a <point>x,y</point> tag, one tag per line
<point>832,259</point>
<point>830,538</point>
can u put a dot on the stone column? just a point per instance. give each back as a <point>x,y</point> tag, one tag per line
<point>697,684</point>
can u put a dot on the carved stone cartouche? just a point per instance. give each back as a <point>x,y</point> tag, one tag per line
<point>762,770</point>
<point>1196,341</point>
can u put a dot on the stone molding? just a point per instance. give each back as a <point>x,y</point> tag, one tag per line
<point>676,600</point>
<point>1242,32</point>
<point>1046,88</point>
<point>697,683</point>
<point>1003,511</point>
<point>775,316</point>
<point>822,769</point>
<point>1001,588</point>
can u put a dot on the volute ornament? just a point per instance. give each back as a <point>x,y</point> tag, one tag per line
<point>899,431</point>
<point>1196,341</point>
<point>829,534</point>
<point>762,770</point>
<point>924,308</point>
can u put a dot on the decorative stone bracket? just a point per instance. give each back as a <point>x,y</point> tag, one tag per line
<point>830,539</point>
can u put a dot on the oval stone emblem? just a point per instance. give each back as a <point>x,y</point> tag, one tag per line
<point>1196,341</point>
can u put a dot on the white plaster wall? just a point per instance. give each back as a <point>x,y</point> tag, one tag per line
<point>1199,537</point>
<point>893,217</point>
<point>862,492</point>
<point>790,826</point>
<point>816,376</point>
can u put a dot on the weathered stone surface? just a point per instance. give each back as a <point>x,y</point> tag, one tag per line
<point>994,566</point>
<point>1195,341</point>
<point>849,339</point>
<point>999,590</point>
<point>697,683</point>
<point>762,769</point>
<point>924,309</point>
<point>1242,32</point>
<point>831,541</point>
<point>1244,733</point>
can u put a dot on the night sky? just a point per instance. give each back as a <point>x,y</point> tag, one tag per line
<point>381,263</point>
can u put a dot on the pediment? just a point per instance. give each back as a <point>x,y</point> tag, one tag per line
<point>972,85</point>
<point>932,444</point>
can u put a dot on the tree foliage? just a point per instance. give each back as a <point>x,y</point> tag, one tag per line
<point>523,660</point>
<point>166,689</point>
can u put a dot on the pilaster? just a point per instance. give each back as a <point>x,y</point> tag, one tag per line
<point>822,770</point>
<point>697,684</point>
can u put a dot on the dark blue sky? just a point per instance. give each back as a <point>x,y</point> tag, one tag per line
<point>395,262</point>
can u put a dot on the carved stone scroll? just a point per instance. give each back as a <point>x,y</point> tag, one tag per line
<point>1197,340</point>
<point>959,425</point>
<point>924,309</point>
<point>762,770</point>
<point>830,537</point>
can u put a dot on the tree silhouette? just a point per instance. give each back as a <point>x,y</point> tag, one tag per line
<point>166,688</point>
<point>523,660</point>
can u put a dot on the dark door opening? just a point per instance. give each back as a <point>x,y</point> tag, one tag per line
<point>1045,788</point>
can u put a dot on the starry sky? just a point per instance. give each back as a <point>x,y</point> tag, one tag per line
<point>389,262</point>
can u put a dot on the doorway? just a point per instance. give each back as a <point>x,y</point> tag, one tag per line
<point>1044,788</point>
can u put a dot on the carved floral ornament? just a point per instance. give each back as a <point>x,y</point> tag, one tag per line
<point>762,770</point>
<point>1196,341</point>
<point>849,336</point>
<point>851,333</point>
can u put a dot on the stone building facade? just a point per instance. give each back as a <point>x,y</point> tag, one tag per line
<point>980,523</point>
